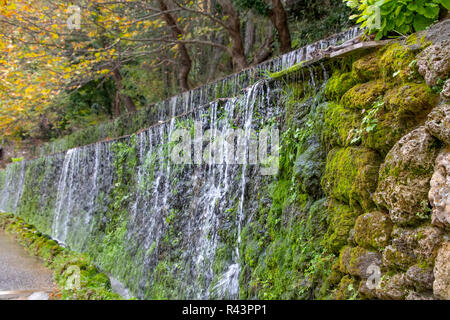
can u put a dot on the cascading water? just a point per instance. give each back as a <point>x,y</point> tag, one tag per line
<point>178,234</point>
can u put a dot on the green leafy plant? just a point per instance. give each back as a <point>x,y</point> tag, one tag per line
<point>385,17</point>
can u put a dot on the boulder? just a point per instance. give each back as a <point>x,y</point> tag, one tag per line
<point>439,194</point>
<point>405,176</point>
<point>358,261</point>
<point>420,277</point>
<point>441,285</point>
<point>434,62</point>
<point>438,122</point>
<point>373,229</point>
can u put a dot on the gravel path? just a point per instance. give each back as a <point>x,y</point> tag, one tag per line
<point>22,276</point>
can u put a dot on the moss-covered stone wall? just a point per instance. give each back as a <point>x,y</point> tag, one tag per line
<point>361,208</point>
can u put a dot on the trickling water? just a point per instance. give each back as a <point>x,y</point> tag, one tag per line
<point>179,217</point>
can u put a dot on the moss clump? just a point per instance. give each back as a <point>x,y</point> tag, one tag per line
<point>411,99</point>
<point>397,259</point>
<point>347,289</point>
<point>396,62</point>
<point>351,175</point>
<point>340,124</point>
<point>94,285</point>
<point>339,84</point>
<point>342,219</point>
<point>372,230</point>
<point>366,68</point>
<point>363,96</point>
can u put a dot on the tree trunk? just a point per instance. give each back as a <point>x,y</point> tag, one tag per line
<point>234,30</point>
<point>249,33</point>
<point>185,62</point>
<point>127,101</point>
<point>279,19</point>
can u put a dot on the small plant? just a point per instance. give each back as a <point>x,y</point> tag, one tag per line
<point>369,122</point>
<point>385,17</point>
<point>425,213</point>
<point>16,159</point>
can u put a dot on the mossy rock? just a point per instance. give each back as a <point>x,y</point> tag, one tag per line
<point>357,260</point>
<point>404,179</point>
<point>373,229</point>
<point>351,175</point>
<point>339,124</point>
<point>396,62</point>
<point>342,219</point>
<point>396,259</point>
<point>366,68</point>
<point>339,84</point>
<point>347,289</point>
<point>411,99</point>
<point>392,287</point>
<point>363,96</point>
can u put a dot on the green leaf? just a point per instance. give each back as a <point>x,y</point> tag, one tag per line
<point>445,4</point>
<point>421,23</point>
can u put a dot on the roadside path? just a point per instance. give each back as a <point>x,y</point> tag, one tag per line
<point>22,276</point>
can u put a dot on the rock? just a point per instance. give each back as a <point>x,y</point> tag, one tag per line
<point>363,96</point>
<point>405,176</point>
<point>373,230</point>
<point>441,285</point>
<point>429,239</point>
<point>419,296</point>
<point>445,93</point>
<point>439,194</point>
<point>309,166</point>
<point>392,287</point>
<point>366,68</point>
<point>356,261</point>
<point>347,289</point>
<point>341,222</point>
<point>438,122</point>
<point>434,62</point>
<point>420,278</point>
<point>351,176</point>
<point>395,258</point>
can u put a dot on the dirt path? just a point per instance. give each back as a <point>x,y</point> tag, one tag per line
<point>22,276</point>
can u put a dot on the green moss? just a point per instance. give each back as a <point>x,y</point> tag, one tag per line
<point>372,230</point>
<point>363,96</point>
<point>409,99</point>
<point>340,124</point>
<point>342,219</point>
<point>366,68</point>
<point>396,62</point>
<point>347,289</point>
<point>94,285</point>
<point>339,84</point>
<point>351,176</point>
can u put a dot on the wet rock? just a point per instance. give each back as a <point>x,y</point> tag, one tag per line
<point>434,62</point>
<point>420,277</point>
<point>392,287</point>
<point>439,194</point>
<point>405,176</point>
<point>309,166</point>
<point>342,220</point>
<point>441,285</point>
<point>373,230</point>
<point>438,122</point>
<point>356,261</point>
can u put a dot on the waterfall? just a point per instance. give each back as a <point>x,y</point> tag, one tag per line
<point>183,222</point>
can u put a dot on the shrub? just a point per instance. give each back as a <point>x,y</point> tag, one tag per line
<point>396,16</point>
